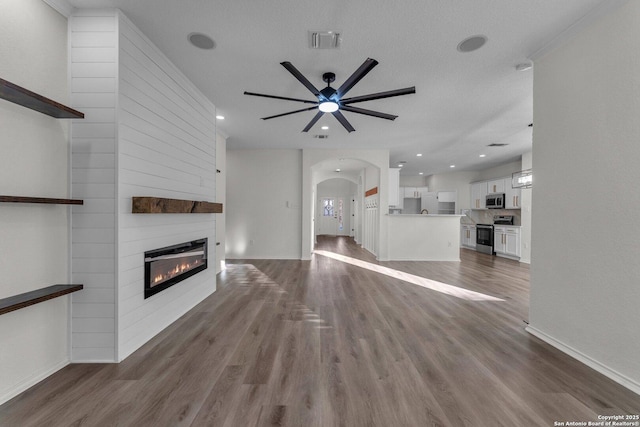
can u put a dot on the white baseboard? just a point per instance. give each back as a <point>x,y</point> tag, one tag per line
<point>30,382</point>
<point>621,379</point>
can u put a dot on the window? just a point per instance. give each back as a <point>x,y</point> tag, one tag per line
<point>327,207</point>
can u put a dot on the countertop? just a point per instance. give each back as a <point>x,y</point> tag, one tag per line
<point>425,215</point>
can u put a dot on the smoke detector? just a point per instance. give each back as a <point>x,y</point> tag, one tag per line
<point>325,39</point>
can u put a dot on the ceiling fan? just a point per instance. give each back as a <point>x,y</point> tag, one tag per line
<point>330,100</point>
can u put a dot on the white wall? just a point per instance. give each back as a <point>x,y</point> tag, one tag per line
<point>264,189</point>
<point>34,239</point>
<point>148,132</point>
<point>585,272</point>
<point>221,197</point>
<point>454,181</point>
<point>499,171</point>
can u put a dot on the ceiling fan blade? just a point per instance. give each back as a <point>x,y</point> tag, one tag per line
<point>290,112</point>
<point>302,79</point>
<point>280,97</point>
<point>343,121</point>
<point>379,95</point>
<point>313,121</point>
<point>368,112</point>
<point>357,76</point>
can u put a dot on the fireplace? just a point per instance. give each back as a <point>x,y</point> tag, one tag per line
<point>165,267</point>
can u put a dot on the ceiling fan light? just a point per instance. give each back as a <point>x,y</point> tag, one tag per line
<point>328,106</point>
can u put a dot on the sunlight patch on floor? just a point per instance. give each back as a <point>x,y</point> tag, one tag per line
<point>411,278</point>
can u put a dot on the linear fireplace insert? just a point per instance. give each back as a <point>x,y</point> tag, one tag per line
<point>167,266</point>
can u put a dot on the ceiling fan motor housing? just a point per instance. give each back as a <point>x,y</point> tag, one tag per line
<point>328,92</point>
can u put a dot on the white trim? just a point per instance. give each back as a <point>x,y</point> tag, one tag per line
<point>581,357</point>
<point>597,12</point>
<point>63,7</point>
<point>31,381</point>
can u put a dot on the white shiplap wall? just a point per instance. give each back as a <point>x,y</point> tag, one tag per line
<point>148,132</point>
<point>167,140</point>
<point>93,40</point>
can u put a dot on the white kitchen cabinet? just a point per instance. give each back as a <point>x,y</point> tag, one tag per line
<point>512,197</point>
<point>496,186</point>
<point>414,192</point>
<point>468,236</point>
<point>394,187</point>
<point>479,195</point>
<point>506,241</point>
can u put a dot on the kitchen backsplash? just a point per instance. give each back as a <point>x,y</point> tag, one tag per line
<point>474,216</point>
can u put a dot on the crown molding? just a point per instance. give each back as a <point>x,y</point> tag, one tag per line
<point>593,15</point>
<point>63,7</point>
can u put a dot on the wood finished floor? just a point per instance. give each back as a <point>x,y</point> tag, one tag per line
<point>326,343</point>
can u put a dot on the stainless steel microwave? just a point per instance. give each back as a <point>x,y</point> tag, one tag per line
<point>495,201</point>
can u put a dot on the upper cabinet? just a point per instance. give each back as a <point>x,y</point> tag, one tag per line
<point>512,199</point>
<point>496,185</point>
<point>479,191</point>
<point>414,192</point>
<point>479,195</point>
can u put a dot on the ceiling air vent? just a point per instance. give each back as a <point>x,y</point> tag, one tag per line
<point>324,39</point>
<point>321,136</point>
<point>496,144</point>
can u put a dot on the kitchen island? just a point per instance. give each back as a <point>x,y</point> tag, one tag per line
<point>424,237</point>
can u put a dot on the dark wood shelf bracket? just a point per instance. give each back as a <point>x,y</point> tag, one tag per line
<point>42,200</point>
<point>24,97</point>
<point>159,205</point>
<point>34,297</point>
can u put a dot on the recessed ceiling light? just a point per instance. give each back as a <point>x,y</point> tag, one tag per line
<point>452,166</point>
<point>201,41</point>
<point>220,117</point>
<point>400,165</point>
<point>419,155</point>
<point>324,127</point>
<point>472,43</point>
<point>420,173</point>
<point>337,170</point>
<point>483,155</point>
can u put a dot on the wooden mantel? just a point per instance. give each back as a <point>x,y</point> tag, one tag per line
<point>159,205</point>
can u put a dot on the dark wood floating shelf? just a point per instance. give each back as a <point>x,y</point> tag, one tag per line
<point>34,297</point>
<point>45,200</point>
<point>26,98</point>
<point>159,205</point>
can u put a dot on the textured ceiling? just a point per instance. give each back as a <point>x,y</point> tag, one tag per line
<point>463,101</point>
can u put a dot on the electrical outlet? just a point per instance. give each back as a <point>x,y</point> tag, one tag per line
<point>251,242</point>
<point>449,244</point>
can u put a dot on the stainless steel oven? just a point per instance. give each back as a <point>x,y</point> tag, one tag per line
<point>484,238</point>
